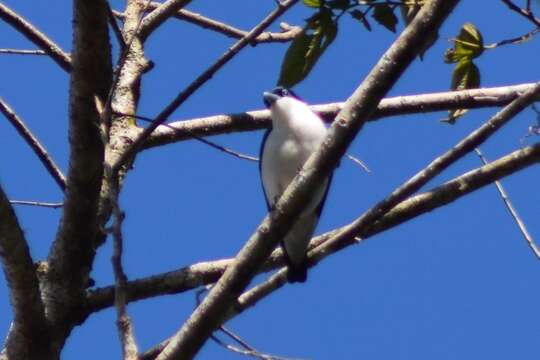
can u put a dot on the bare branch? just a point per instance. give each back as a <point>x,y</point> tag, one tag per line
<point>150,287</point>
<point>71,255</point>
<point>406,210</point>
<point>526,13</point>
<point>205,273</point>
<point>28,337</point>
<point>35,36</point>
<point>514,40</point>
<point>34,143</point>
<point>202,78</point>
<point>246,349</point>
<point>512,211</point>
<point>22,52</point>
<point>459,150</point>
<point>287,34</point>
<point>36,203</point>
<point>160,15</point>
<point>212,311</point>
<point>203,140</point>
<point>125,327</point>
<point>116,29</point>
<point>400,105</point>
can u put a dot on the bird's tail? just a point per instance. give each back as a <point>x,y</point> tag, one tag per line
<point>297,272</point>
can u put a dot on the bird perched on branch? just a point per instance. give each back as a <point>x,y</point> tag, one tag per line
<point>295,134</point>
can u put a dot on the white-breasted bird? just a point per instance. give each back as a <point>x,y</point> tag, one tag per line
<point>295,134</point>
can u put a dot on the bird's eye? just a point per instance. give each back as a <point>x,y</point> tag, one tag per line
<point>284,92</point>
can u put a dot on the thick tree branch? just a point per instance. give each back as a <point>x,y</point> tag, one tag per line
<point>408,209</point>
<point>405,211</point>
<point>201,79</point>
<point>465,146</point>
<point>159,15</point>
<point>34,143</point>
<point>394,106</point>
<point>28,337</point>
<point>205,273</point>
<point>212,311</point>
<point>71,255</point>
<point>35,36</point>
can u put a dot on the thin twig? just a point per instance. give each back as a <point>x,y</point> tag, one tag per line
<point>198,138</point>
<point>359,162</point>
<point>37,203</point>
<point>116,29</point>
<point>516,40</point>
<point>201,80</point>
<point>512,211</point>
<point>246,350</point>
<point>125,327</point>
<point>22,52</point>
<point>34,143</point>
<point>35,36</point>
<point>526,13</point>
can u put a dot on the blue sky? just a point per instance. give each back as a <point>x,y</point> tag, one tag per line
<point>459,282</point>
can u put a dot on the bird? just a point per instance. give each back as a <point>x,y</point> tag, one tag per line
<point>296,132</point>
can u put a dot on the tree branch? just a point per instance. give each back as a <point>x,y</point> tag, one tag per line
<point>35,36</point>
<point>34,144</point>
<point>513,212</point>
<point>526,13</point>
<point>22,52</point>
<point>28,337</point>
<point>201,79</point>
<point>405,211</point>
<point>212,311</point>
<point>394,106</point>
<point>71,255</point>
<point>123,321</point>
<point>288,32</point>
<point>459,150</point>
<point>159,15</point>
<point>408,209</point>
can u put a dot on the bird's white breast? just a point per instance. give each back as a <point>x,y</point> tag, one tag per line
<point>296,133</point>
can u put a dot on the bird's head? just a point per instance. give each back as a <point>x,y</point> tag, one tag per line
<point>278,93</point>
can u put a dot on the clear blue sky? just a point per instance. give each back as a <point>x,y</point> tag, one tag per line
<point>457,283</point>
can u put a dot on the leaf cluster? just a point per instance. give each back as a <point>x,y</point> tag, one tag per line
<point>321,29</point>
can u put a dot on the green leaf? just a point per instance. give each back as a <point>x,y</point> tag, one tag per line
<point>306,48</point>
<point>360,16</point>
<point>468,45</point>
<point>385,16</point>
<point>466,75</point>
<point>313,3</point>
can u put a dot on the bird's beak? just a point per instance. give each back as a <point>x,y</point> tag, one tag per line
<point>269,98</point>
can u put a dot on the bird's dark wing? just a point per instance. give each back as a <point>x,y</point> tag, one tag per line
<point>261,150</point>
<point>319,209</point>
